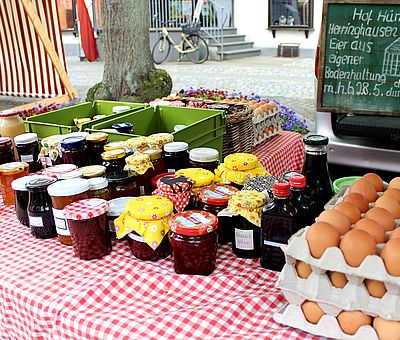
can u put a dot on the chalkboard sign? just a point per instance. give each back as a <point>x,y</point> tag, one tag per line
<point>359,68</point>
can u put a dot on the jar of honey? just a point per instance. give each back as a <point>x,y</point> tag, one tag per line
<point>8,173</point>
<point>99,188</point>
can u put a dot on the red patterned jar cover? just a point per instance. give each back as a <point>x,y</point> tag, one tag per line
<point>193,223</point>
<point>176,188</point>
<point>57,170</point>
<point>216,194</point>
<point>86,209</point>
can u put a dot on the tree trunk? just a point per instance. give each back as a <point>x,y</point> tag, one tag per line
<point>129,72</point>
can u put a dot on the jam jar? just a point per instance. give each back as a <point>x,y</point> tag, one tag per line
<point>157,160</point>
<point>114,160</point>
<point>123,127</point>
<point>92,171</point>
<point>87,221</point>
<point>141,164</point>
<point>205,158</point>
<point>8,173</point>
<point>200,177</point>
<point>115,208</point>
<point>96,143</point>
<point>145,221</point>
<point>63,193</point>
<point>75,151</point>
<point>41,220</point>
<point>99,188</point>
<point>50,151</point>
<point>176,156</point>
<point>246,208</point>
<point>71,175</point>
<point>6,150</point>
<point>214,198</point>
<point>123,184</point>
<point>178,189</point>
<point>193,239</point>
<point>28,150</point>
<point>137,143</point>
<point>158,140</point>
<point>57,170</point>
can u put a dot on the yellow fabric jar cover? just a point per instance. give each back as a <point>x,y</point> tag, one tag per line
<point>248,204</point>
<point>114,146</point>
<point>200,177</point>
<point>139,143</point>
<point>157,140</point>
<point>227,176</point>
<point>138,162</point>
<point>241,161</point>
<point>148,216</point>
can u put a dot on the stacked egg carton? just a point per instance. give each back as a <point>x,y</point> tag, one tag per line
<point>266,124</point>
<point>357,294</point>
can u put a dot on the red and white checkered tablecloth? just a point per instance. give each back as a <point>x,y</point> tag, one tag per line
<point>47,293</point>
<point>283,152</point>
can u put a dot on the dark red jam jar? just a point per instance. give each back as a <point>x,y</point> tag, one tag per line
<point>122,184</point>
<point>205,158</point>
<point>141,250</point>
<point>214,198</point>
<point>28,150</point>
<point>6,150</point>
<point>75,151</point>
<point>193,239</point>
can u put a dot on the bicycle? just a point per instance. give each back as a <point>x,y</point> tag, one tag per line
<point>192,45</point>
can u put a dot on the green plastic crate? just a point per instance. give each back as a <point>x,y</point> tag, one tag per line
<point>61,122</point>
<point>203,127</point>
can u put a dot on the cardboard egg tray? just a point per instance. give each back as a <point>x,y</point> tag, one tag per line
<point>332,300</point>
<point>328,326</point>
<point>262,129</point>
<point>271,113</point>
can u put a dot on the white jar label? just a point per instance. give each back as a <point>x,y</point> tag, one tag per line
<point>142,190</point>
<point>35,221</point>
<point>244,239</point>
<point>61,222</point>
<point>136,237</point>
<point>26,158</point>
<point>171,170</point>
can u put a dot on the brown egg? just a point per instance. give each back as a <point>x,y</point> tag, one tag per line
<point>395,193</point>
<point>395,234</point>
<point>303,269</point>
<point>335,218</point>
<point>358,200</point>
<point>338,280</point>
<point>375,288</point>
<point>365,188</point>
<point>264,107</point>
<point>356,245</point>
<point>373,228</point>
<point>256,105</point>
<point>312,312</point>
<point>382,216</point>
<point>349,210</point>
<point>351,321</point>
<point>387,330</point>
<point>394,183</point>
<point>390,255</point>
<point>375,180</point>
<point>321,236</point>
<point>390,204</point>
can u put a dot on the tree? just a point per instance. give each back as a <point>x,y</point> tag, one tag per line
<point>129,71</point>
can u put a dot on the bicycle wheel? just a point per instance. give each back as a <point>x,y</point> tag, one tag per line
<point>161,50</point>
<point>200,55</point>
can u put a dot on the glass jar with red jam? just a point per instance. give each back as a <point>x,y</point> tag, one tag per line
<point>28,150</point>
<point>96,143</point>
<point>141,164</point>
<point>115,208</point>
<point>205,158</point>
<point>75,151</point>
<point>122,184</point>
<point>6,150</point>
<point>145,221</point>
<point>193,239</point>
<point>157,160</point>
<point>214,198</point>
<point>87,221</point>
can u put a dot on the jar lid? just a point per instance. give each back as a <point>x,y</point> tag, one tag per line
<point>77,134</point>
<point>176,147</point>
<point>154,154</point>
<point>200,177</point>
<point>248,199</point>
<point>114,146</point>
<point>13,167</point>
<point>120,108</point>
<point>204,155</point>
<point>315,140</point>
<point>69,187</point>
<point>52,141</point>
<point>157,140</point>
<point>73,142</point>
<point>193,223</point>
<point>97,137</point>
<point>216,194</point>
<point>19,184</point>
<point>174,184</point>
<point>86,209</point>
<point>150,207</point>
<point>8,113</point>
<point>117,206</point>
<point>5,142</point>
<point>281,188</point>
<point>92,171</point>
<point>120,176</point>
<point>297,181</point>
<point>122,126</point>
<point>98,183</point>
<point>155,179</point>
<point>70,175</point>
<point>40,183</point>
<point>26,138</point>
<point>113,154</point>
<point>241,161</point>
<point>57,170</point>
<point>139,143</point>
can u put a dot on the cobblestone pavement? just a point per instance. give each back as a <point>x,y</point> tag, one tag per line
<point>288,80</point>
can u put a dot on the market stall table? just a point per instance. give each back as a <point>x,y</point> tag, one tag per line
<point>47,293</point>
<point>281,153</point>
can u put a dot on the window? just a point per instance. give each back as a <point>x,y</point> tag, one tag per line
<point>290,14</point>
<point>66,14</point>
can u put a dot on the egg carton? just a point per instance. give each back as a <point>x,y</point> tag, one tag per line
<point>271,113</point>
<point>371,268</point>
<point>332,300</point>
<point>328,326</point>
<point>262,137</point>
